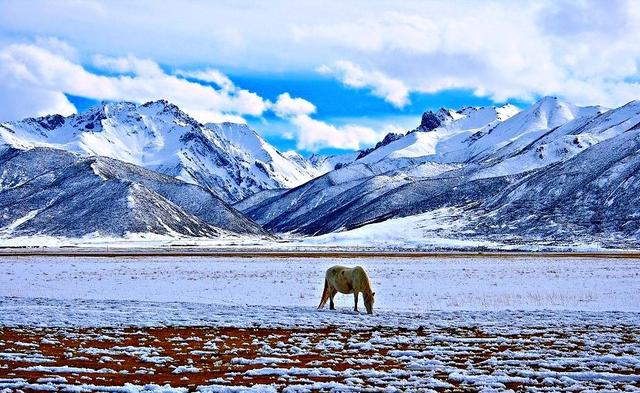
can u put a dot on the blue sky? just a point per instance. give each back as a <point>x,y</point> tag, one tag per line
<point>313,76</point>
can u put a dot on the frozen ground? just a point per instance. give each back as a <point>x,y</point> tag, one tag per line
<point>573,353</point>
<point>233,324</point>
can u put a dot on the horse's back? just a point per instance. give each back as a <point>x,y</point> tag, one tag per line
<point>354,272</point>
<point>340,278</point>
<point>335,270</point>
<point>359,269</point>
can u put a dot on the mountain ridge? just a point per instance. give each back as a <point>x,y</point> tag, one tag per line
<point>550,172</point>
<point>412,176</point>
<point>229,159</point>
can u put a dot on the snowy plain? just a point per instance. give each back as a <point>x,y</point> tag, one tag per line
<point>401,284</point>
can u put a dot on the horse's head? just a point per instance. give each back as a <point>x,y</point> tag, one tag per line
<point>369,299</point>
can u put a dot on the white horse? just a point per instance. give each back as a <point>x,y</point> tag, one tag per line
<point>347,280</point>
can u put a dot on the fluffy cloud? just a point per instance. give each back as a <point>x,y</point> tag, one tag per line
<point>129,64</point>
<point>210,75</point>
<point>17,102</point>
<point>500,49</point>
<point>584,51</point>
<point>31,71</point>
<point>287,106</point>
<point>391,90</point>
<point>391,31</point>
<point>312,134</point>
<point>34,81</point>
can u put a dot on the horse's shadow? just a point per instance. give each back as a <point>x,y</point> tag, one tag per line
<point>341,311</point>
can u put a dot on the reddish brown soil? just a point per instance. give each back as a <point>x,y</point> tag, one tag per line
<point>82,348</point>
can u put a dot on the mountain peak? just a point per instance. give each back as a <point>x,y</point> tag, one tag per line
<point>549,99</point>
<point>553,110</point>
<point>506,111</point>
<point>161,103</point>
<point>432,120</point>
<point>234,125</point>
<point>107,106</point>
<point>549,103</point>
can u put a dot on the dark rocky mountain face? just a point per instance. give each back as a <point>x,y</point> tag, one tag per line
<point>431,120</point>
<point>53,192</point>
<point>595,192</point>
<point>390,137</point>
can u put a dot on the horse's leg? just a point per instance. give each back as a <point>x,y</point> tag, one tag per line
<point>331,305</point>
<point>355,301</point>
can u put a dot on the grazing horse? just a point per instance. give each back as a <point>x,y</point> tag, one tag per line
<point>347,280</point>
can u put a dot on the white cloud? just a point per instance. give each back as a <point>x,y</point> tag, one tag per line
<point>29,68</point>
<point>57,46</point>
<point>129,64</point>
<point>389,31</point>
<point>497,49</point>
<point>209,75</point>
<point>391,90</point>
<point>585,51</point>
<point>17,102</point>
<point>34,81</point>
<point>312,134</point>
<point>287,106</point>
<point>494,48</point>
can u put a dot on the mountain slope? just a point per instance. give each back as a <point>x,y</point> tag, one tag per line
<point>493,187</point>
<point>46,191</point>
<point>446,136</point>
<point>551,173</point>
<point>562,142</point>
<point>229,159</point>
<point>596,191</point>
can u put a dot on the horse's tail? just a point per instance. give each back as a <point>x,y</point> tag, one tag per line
<point>325,294</point>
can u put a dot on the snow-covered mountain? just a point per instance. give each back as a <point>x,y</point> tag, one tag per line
<point>473,134</point>
<point>552,172</point>
<point>45,191</point>
<point>229,159</point>
<point>549,169</point>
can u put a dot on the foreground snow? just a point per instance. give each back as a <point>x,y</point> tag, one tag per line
<point>299,349</point>
<point>41,312</point>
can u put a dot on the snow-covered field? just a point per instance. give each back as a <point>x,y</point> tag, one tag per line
<point>402,284</point>
<point>235,324</point>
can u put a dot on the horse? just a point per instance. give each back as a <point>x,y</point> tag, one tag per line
<point>347,280</point>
